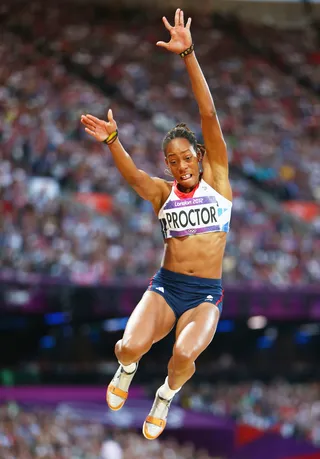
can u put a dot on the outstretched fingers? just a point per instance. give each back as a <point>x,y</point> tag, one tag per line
<point>177,18</point>
<point>181,19</point>
<point>110,115</point>
<point>188,24</point>
<point>94,119</point>
<point>87,122</point>
<point>167,24</point>
<point>89,131</point>
<point>163,44</point>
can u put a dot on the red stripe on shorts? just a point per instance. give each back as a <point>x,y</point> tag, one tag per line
<point>221,298</point>
<point>150,283</point>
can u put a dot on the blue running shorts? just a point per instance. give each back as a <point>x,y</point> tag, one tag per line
<point>183,292</point>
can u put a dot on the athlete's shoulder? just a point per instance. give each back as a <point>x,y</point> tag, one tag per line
<point>161,180</point>
<point>164,184</point>
<point>219,183</point>
<point>165,188</point>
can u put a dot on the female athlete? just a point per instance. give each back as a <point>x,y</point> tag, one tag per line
<point>194,212</point>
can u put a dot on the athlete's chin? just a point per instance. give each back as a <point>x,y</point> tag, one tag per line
<point>187,184</point>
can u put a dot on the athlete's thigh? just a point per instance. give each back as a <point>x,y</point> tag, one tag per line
<point>196,328</point>
<point>152,319</point>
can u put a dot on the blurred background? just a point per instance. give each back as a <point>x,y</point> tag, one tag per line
<point>78,246</point>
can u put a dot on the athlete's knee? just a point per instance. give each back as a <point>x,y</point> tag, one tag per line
<point>130,350</point>
<point>183,356</point>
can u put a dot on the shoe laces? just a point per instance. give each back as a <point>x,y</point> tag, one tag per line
<point>165,401</point>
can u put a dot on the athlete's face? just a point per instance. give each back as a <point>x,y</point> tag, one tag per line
<point>183,162</point>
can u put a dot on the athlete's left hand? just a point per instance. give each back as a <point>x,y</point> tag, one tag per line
<point>180,34</point>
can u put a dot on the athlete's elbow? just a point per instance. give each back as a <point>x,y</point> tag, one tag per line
<point>208,112</point>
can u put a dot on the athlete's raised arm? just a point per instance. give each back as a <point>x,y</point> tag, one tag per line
<point>181,42</point>
<point>147,187</point>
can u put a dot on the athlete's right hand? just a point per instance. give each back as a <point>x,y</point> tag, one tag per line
<point>99,129</point>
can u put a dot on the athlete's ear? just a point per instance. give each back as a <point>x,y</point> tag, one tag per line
<point>201,151</point>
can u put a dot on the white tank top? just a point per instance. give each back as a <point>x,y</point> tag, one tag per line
<point>203,210</point>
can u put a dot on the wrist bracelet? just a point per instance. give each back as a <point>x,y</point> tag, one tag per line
<point>111,138</point>
<point>187,51</point>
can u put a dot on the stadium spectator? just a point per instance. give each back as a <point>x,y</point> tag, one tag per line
<point>268,120</point>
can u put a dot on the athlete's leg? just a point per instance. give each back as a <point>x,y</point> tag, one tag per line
<point>195,330</point>
<point>151,320</point>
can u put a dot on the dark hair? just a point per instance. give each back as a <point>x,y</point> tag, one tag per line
<point>182,131</point>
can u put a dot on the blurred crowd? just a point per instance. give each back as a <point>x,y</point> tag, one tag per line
<point>293,410</point>
<point>37,433</point>
<point>299,51</point>
<point>47,161</point>
<point>267,118</point>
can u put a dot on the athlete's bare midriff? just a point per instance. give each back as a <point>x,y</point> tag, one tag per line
<point>199,255</point>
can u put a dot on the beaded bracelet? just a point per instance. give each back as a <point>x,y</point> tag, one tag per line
<point>111,138</point>
<point>187,51</point>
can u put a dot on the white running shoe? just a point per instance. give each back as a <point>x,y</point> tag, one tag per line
<point>117,392</point>
<point>156,420</point>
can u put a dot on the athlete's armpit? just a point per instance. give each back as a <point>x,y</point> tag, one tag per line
<point>218,177</point>
<point>149,188</point>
